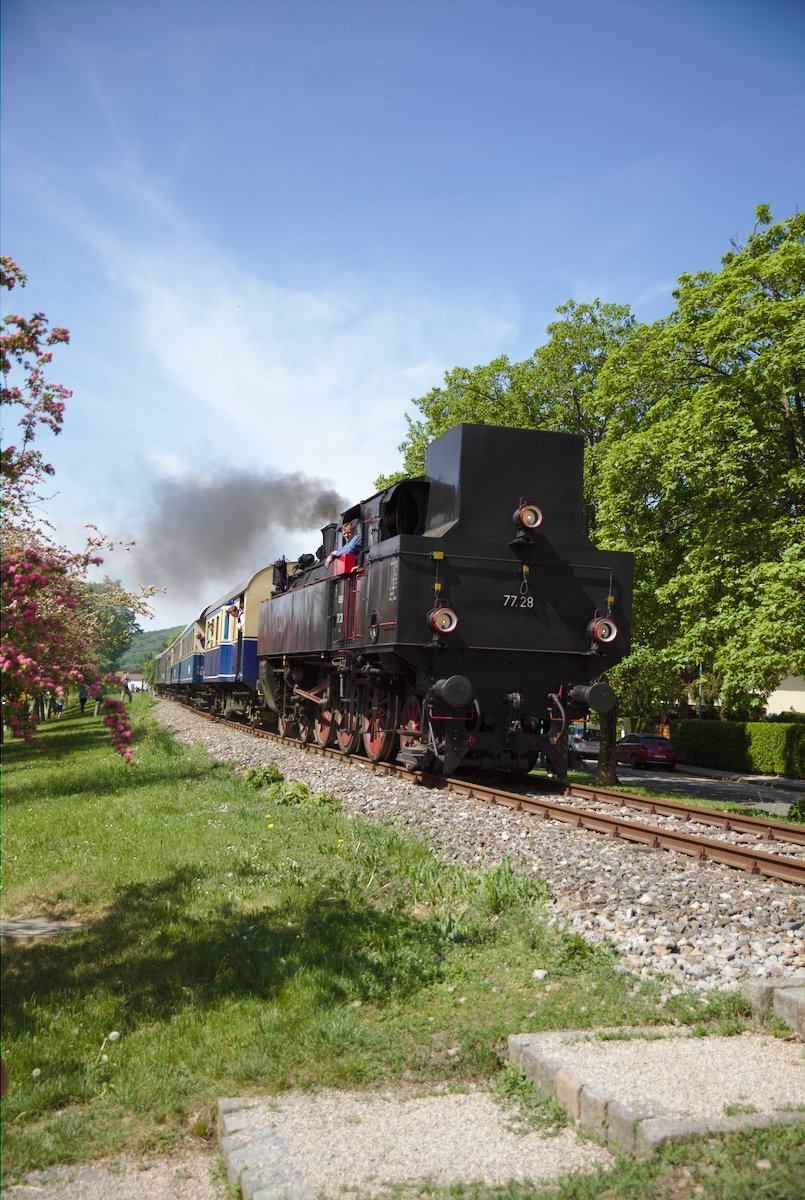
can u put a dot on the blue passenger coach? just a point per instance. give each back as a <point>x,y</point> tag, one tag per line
<point>213,661</point>
<point>180,667</point>
<point>230,643</point>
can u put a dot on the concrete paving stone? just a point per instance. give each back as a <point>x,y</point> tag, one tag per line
<point>760,994</point>
<point>230,1106</point>
<point>789,1006</point>
<point>233,1103</point>
<point>593,1104</point>
<point>257,1135</point>
<point>297,1191</point>
<point>753,1121</point>
<point>654,1132</point>
<point>541,1070</point>
<point>278,1178</point>
<point>622,1126</point>
<point>567,1085</point>
<point>233,1122</point>
<point>256,1156</point>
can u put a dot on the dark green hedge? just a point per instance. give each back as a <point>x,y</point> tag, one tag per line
<point>762,747</point>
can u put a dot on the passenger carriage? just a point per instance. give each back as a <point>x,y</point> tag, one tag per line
<point>180,667</point>
<point>230,645</point>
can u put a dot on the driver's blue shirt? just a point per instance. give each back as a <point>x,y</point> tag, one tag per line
<point>352,545</point>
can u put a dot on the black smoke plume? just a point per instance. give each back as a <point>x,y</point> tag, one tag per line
<point>227,527</point>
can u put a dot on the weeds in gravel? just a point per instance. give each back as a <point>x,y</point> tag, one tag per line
<point>528,1107</point>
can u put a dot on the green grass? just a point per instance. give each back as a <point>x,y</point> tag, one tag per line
<point>243,936</point>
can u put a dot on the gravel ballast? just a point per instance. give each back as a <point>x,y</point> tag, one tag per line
<point>705,925</point>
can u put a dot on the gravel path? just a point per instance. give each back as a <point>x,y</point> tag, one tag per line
<point>684,1076</point>
<point>359,1143</point>
<point>165,1177</point>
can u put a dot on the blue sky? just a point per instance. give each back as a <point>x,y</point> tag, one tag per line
<point>269,225</point>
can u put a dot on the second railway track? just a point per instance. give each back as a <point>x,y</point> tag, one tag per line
<point>721,850</point>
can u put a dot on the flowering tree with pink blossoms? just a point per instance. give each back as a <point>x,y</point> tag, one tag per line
<point>52,620</point>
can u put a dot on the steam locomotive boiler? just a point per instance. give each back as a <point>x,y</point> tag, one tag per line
<point>471,627</point>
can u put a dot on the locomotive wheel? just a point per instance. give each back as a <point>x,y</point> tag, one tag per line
<point>411,724</point>
<point>346,737</point>
<point>305,725</point>
<point>533,759</point>
<point>379,726</point>
<point>284,726</point>
<point>324,726</point>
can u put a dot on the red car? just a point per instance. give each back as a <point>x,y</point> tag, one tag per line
<point>646,750</point>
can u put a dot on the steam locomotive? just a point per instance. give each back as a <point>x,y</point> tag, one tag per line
<point>470,627</point>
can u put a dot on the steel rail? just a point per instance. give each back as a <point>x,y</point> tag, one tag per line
<point>777,866</point>
<point>733,822</point>
<point>774,866</point>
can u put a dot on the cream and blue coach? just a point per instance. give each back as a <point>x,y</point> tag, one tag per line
<point>181,665</point>
<point>213,661</point>
<point>230,644</point>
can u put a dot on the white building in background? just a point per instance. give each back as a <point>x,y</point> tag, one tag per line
<point>789,697</point>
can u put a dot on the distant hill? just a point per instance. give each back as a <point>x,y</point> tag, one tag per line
<point>145,646</point>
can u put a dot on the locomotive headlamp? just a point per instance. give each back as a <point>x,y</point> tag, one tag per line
<point>528,516</point>
<point>602,630</point>
<point>443,620</point>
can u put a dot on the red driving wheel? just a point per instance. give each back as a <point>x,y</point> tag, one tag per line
<point>411,724</point>
<point>379,725</point>
<point>347,733</point>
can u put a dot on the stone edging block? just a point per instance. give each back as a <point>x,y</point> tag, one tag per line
<point>254,1156</point>
<point>789,1006</point>
<point>638,1130</point>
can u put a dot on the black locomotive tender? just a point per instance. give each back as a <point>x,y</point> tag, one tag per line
<point>473,624</point>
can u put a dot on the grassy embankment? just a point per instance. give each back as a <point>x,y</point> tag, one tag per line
<point>248,940</point>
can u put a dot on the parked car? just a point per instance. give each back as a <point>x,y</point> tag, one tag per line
<point>585,742</point>
<point>646,750</point>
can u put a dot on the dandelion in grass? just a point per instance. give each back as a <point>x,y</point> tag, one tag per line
<point>114,1036</point>
<point>36,1073</point>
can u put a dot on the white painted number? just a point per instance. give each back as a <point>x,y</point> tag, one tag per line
<point>510,601</point>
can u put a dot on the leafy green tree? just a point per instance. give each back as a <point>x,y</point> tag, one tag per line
<point>117,624</point>
<point>703,473</point>
<point>145,646</point>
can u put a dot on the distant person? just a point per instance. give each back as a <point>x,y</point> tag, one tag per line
<point>58,706</point>
<point>83,697</point>
<point>353,539</point>
<point>126,692</point>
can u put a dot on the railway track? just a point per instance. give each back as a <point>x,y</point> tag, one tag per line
<point>742,857</point>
